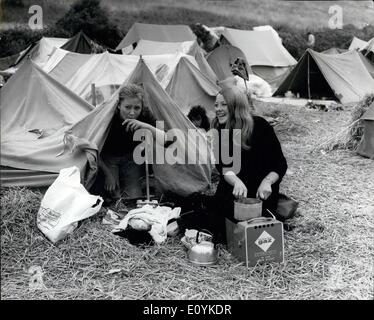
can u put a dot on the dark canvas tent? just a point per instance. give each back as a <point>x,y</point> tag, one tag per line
<point>221,59</point>
<point>80,43</point>
<point>35,159</point>
<point>333,76</point>
<point>264,52</point>
<point>366,146</point>
<point>189,87</point>
<point>156,32</point>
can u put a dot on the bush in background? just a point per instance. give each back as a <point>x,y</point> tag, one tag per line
<point>15,40</point>
<point>13,3</point>
<point>109,28</point>
<point>93,20</point>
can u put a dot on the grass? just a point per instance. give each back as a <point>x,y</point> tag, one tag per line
<point>19,16</point>
<point>328,254</point>
<point>305,14</point>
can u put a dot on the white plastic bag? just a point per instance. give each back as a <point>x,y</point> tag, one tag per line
<point>64,204</point>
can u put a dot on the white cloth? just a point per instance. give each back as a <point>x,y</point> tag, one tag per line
<point>156,218</point>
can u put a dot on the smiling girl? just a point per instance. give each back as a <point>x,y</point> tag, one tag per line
<point>262,162</point>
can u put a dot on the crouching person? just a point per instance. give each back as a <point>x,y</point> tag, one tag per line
<point>119,171</point>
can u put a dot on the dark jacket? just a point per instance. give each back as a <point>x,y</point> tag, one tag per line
<point>264,155</point>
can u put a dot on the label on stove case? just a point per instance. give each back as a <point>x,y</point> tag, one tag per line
<point>264,241</point>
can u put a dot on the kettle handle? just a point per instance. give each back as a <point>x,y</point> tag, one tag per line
<point>202,230</point>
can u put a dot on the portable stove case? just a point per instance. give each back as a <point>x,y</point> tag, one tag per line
<point>255,241</point>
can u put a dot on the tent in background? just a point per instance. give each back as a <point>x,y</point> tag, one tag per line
<point>357,44</point>
<point>366,146</point>
<point>341,76</point>
<point>35,110</point>
<point>147,47</point>
<point>108,71</point>
<point>80,43</point>
<point>156,32</point>
<point>221,59</point>
<point>334,50</point>
<point>62,64</point>
<point>368,64</point>
<point>10,61</point>
<point>266,55</point>
<point>189,87</point>
<point>43,49</point>
<point>368,50</point>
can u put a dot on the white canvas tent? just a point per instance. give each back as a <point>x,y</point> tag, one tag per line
<point>265,54</point>
<point>107,71</point>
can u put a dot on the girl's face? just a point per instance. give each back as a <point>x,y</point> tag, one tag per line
<point>221,109</point>
<point>130,108</point>
<point>197,122</point>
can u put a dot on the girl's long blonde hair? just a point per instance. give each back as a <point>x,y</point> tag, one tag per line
<point>239,113</point>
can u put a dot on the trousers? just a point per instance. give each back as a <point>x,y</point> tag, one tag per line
<point>127,173</point>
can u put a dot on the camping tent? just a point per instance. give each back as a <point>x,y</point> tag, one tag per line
<point>221,59</point>
<point>357,44</point>
<point>43,49</point>
<point>9,61</point>
<point>156,32</point>
<point>368,64</point>
<point>62,64</point>
<point>34,109</point>
<point>80,43</point>
<point>266,55</point>
<point>108,71</point>
<point>366,146</point>
<point>334,50</point>
<point>147,47</point>
<point>189,87</point>
<point>40,158</point>
<point>334,76</point>
<point>368,50</point>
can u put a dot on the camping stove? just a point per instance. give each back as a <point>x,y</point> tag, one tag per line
<point>256,240</point>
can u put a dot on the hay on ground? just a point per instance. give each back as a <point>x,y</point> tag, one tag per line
<point>351,135</point>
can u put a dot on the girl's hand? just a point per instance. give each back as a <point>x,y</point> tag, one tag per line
<point>110,184</point>
<point>240,190</point>
<point>133,124</point>
<point>264,190</point>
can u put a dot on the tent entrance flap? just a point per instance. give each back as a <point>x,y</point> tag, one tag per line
<point>309,82</point>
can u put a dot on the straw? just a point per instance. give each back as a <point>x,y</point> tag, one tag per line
<point>328,254</point>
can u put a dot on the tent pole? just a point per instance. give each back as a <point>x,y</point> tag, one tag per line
<point>308,79</point>
<point>93,93</point>
<point>146,169</point>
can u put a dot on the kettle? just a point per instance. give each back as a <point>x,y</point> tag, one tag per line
<point>203,253</point>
